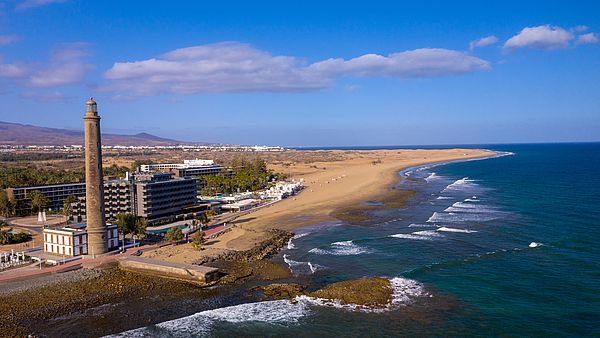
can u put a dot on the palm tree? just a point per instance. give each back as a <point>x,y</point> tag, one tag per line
<point>38,200</point>
<point>67,205</point>
<point>7,205</point>
<point>126,224</point>
<point>140,227</point>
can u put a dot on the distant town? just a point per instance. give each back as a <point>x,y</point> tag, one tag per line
<point>183,147</point>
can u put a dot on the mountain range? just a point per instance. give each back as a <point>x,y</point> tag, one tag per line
<point>25,134</point>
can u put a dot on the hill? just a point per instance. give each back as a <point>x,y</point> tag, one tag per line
<point>24,134</point>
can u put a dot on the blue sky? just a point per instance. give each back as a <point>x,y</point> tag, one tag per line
<point>307,73</point>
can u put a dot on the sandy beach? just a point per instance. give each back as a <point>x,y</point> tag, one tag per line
<point>353,178</point>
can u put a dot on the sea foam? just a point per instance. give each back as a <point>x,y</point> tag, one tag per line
<point>470,207</point>
<point>431,177</point>
<point>290,244</point>
<point>461,184</point>
<point>200,324</point>
<point>425,235</point>
<point>404,292</point>
<point>459,217</point>
<point>344,248</point>
<point>301,267</point>
<point>447,229</point>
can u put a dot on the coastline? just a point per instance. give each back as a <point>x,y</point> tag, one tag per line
<point>334,190</point>
<point>244,261</point>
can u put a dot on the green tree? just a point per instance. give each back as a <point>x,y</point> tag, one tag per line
<point>140,227</point>
<point>206,217</point>
<point>115,170</point>
<point>126,224</point>
<point>174,234</point>
<point>198,240</point>
<point>38,200</point>
<point>247,175</point>
<point>7,205</point>
<point>67,207</point>
<point>7,237</point>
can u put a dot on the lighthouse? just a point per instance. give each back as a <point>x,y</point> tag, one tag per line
<point>94,185</point>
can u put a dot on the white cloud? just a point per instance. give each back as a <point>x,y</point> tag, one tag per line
<point>27,4</point>
<point>541,37</point>
<point>424,62</point>
<point>488,40</point>
<point>52,96</point>
<point>6,39</point>
<point>580,28</point>
<point>221,67</point>
<point>66,67</point>
<point>237,67</point>
<point>13,70</point>
<point>587,38</point>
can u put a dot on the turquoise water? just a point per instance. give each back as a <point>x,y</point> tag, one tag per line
<point>161,231</point>
<point>498,247</point>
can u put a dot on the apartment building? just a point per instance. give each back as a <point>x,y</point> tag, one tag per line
<point>55,194</point>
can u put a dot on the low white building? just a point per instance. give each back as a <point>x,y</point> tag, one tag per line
<point>282,190</point>
<point>71,240</point>
<point>233,198</point>
<point>240,205</point>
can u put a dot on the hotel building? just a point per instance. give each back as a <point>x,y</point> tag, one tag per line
<point>189,168</point>
<point>55,194</point>
<point>152,195</point>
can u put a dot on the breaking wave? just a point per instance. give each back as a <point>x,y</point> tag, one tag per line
<point>201,323</point>
<point>281,312</point>
<point>404,292</point>
<point>469,207</point>
<point>446,229</point>
<point>301,267</point>
<point>431,177</point>
<point>345,248</point>
<point>414,225</point>
<point>290,244</point>
<point>425,235</point>
<point>461,184</point>
<point>465,212</point>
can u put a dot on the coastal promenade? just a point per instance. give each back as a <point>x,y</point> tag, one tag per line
<point>34,271</point>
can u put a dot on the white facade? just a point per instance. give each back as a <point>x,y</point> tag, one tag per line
<point>71,240</point>
<point>187,164</point>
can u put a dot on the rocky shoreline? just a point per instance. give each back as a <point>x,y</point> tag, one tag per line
<point>372,293</point>
<point>26,304</point>
<point>23,311</point>
<point>28,308</point>
<point>263,250</point>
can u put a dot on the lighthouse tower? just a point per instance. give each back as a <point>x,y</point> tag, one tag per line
<point>94,186</point>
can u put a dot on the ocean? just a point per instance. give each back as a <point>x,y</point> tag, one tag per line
<point>506,246</point>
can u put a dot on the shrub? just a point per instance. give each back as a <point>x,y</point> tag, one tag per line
<point>198,240</point>
<point>174,234</point>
